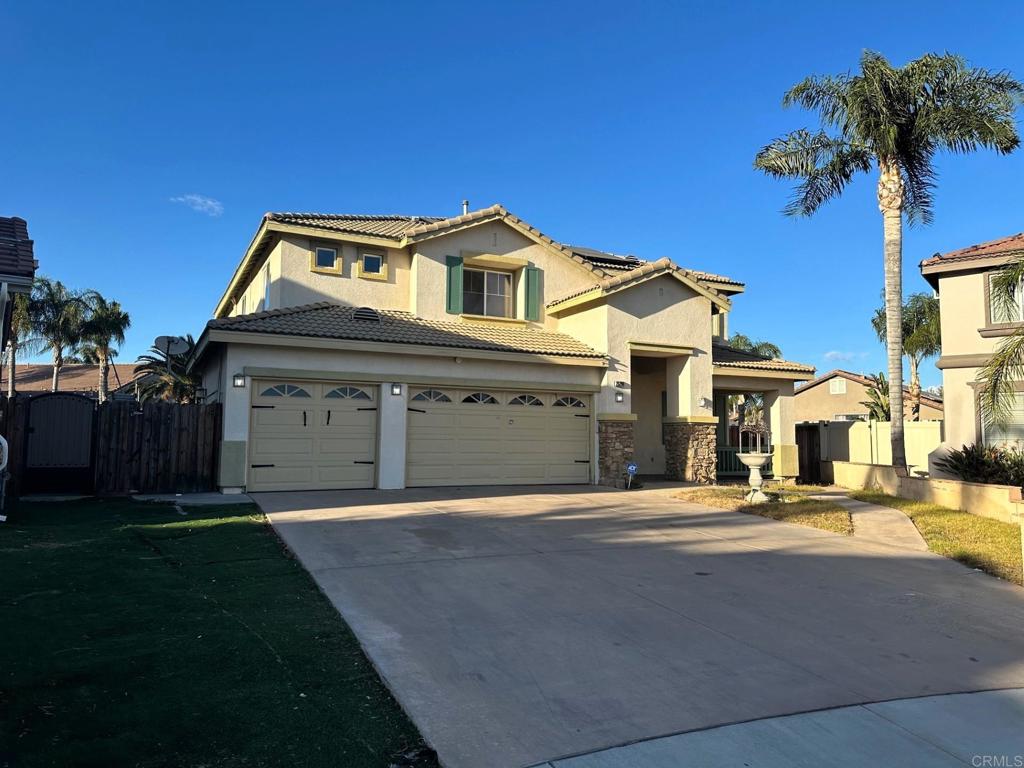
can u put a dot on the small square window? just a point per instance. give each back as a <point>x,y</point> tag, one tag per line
<point>837,386</point>
<point>325,258</point>
<point>373,265</point>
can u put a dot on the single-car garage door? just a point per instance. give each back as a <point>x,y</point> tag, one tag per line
<point>487,437</point>
<point>310,435</point>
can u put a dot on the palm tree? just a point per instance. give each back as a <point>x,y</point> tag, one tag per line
<point>746,344</point>
<point>921,339</point>
<point>998,377</point>
<point>879,404</point>
<point>103,330</point>
<point>21,327</point>
<point>894,119</point>
<point>58,316</point>
<point>165,377</point>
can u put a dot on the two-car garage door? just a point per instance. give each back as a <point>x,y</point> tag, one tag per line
<point>487,437</point>
<point>314,435</point>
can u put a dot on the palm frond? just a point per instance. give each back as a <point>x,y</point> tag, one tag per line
<point>998,377</point>
<point>824,164</point>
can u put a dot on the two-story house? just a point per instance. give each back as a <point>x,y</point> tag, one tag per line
<point>390,351</point>
<point>972,328</point>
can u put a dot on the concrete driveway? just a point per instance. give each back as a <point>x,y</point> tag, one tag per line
<point>520,625</point>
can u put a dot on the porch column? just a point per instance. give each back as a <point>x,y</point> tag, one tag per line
<point>779,405</point>
<point>689,425</point>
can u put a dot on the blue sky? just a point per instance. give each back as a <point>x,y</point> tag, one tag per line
<point>629,127</point>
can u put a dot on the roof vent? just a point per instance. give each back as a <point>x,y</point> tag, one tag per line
<point>367,315</point>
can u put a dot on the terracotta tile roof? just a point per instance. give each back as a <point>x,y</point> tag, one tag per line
<point>617,281</point>
<point>1004,246</point>
<point>36,377</point>
<point>926,398</point>
<point>16,249</point>
<point>724,356</point>
<point>612,262</point>
<point>386,226</point>
<point>331,321</point>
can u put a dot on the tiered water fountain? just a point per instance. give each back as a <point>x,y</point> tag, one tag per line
<point>758,452</point>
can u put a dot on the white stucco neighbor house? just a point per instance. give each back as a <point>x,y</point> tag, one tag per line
<point>357,351</point>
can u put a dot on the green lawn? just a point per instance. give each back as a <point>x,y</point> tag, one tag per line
<point>790,506</point>
<point>134,636</point>
<point>980,542</point>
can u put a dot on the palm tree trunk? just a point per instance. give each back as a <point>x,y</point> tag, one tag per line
<point>12,367</point>
<point>890,202</point>
<point>915,389</point>
<point>104,372</point>
<point>58,361</point>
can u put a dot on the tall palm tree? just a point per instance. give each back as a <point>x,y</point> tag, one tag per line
<point>921,339</point>
<point>165,377</point>
<point>58,316</point>
<point>895,120</point>
<point>21,328</point>
<point>746,344</point>
<point>102,332</point>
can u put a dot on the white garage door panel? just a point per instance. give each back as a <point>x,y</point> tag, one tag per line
<point>306,435</point>
<point>453,442</point>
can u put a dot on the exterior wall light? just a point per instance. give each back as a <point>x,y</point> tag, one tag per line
<point>620,397</point>
<point>396,389</point>
<point>238,380</point>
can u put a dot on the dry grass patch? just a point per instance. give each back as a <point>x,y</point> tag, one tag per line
<point>980,542</point>
<point>787,505</point>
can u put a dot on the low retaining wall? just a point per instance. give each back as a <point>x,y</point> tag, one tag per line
<point>1000,502</point>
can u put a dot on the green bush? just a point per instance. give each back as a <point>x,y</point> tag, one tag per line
<point>985,464</point>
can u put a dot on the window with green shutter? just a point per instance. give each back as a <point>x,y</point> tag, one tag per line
<point>532,294</point>
<point>454,284</point>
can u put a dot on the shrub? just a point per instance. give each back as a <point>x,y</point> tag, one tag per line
<point>985,464</point>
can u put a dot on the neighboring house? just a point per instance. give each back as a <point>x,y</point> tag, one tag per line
<point>971,330</point>
<point>356,351</point>
<point>36,378</point>
<point>840,396</point>
<point>17,268</point>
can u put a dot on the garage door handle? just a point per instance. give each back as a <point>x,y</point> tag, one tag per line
<point>415,410</point>
<point>264,406</point>
<point>362,462</point>
<point>366,409</point>
<point>577,415</point>
<point>328,417</point>
<point>582,461</point>
<point>303,418</point>
<point>260,466</point>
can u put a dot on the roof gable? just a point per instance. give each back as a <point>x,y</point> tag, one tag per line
<point>864,381</point>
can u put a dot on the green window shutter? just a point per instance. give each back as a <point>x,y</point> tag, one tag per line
<point>454,295</point>
<point>532,294</point>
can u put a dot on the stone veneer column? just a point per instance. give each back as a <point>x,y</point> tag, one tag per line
<point>690,452</point>
<point>615,447</point>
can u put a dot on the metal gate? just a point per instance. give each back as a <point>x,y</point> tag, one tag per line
<point>58,444</point>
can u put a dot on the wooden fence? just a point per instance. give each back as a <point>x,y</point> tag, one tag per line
<point>152,447</point>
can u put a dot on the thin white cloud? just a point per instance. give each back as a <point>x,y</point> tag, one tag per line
<point>838,356</point>
<point>201,204</point>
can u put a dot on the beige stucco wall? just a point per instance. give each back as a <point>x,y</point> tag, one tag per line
<point>254,295</point>
<point>559,275</point>
<point>300,285</point>
<point>661,311</point>
<point>817,403</point>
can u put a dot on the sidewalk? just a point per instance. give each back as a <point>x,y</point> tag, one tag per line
<point>878,524</point>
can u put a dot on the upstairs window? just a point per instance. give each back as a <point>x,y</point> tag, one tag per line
<point>325,259</point>
<point>373,265</point>
<point>487,293</point>
<point>1005,313</point>
<point>837,386</point>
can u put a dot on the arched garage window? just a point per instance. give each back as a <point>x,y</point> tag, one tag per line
<point>525,400</point>
<point>348,393</point>
<point>481,398</point>
<point>570,402</point>
<point>432,396</point>
<point>284,390</point>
